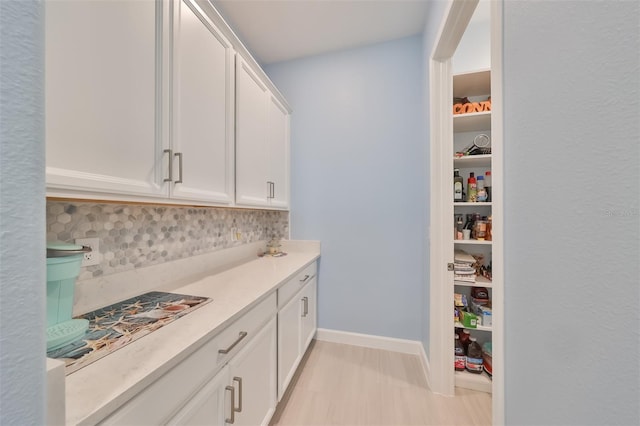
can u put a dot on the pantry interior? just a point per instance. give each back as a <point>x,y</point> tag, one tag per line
<point>466,230</point>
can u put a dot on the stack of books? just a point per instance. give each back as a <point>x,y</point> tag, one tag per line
<point>464,270</point>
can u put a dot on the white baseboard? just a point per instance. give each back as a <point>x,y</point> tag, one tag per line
<point>412,347</point>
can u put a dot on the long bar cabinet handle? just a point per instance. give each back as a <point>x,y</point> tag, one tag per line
<point>232,419</point>
<point>239,380</point>
<point>241,336</point>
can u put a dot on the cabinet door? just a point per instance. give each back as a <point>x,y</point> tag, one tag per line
<point>202,108</point>
<point>252,159</point>
<point>207,407</point>
<point>289,333</point>
<point>278,146</point>
<point>309,315</point>
<point>253,374</point>
<point>103,97</point>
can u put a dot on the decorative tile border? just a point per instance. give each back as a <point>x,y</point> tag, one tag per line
<point>135,236</point>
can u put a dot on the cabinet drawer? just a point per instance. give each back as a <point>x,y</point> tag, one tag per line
<point>292,286</point>
<point>232,338</point>
<point>164,397</point>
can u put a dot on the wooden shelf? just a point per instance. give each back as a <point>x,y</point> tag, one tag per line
<point>473,122</point>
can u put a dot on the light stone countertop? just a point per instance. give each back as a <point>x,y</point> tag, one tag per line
<point>95,391</point>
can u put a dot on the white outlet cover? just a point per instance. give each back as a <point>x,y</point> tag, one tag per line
<point>93,257</point>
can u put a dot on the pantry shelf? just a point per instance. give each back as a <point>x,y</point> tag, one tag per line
<point>469,204</point>
<point>480,282</point>
<point>479,382</point>
<point>473,242</point>
<point>472,122</point>
<point>458,324</point>
<point>470,161</point>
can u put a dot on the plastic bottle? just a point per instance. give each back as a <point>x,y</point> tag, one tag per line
<point>487,184</point>
<point>472,189</point>
<point>457,186</point>
<point>481,191</point>
<point>459,227</point>
<point>474,357</point>
<point>465,339</point>
<point>460,358</point>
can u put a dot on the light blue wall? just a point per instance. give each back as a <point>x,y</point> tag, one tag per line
<point>358,182</point>
<point>22,206</point>
<point>572,223</point>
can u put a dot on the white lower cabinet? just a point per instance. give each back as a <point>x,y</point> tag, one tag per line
<point>235,369</point>
<point>296,324</point>
<point>238,376</point>
<point>309,315</point>
<point>207,407</point>
<point>253,377</point>
<point>243,392</point>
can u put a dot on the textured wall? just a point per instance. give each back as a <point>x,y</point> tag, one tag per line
<point>358,182</point>
<point>22,264</point>
<point>572,234</point>
<point>134,236</point>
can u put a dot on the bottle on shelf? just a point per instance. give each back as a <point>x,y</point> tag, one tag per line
<point>481,194</point>
<point>489,236</point>
<point>465,339</point>
<point>457,186</point>
<point>487,184</point>
<point>474,230</point>
<point>459,227</point>
<point>472,189</point>
<point>460,357</point>
<point>474,360</point>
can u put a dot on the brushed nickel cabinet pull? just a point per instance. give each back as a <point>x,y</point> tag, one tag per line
<point>179,155</point>
<point>306,277</point>
<point>239,380</point>
<point>232,418</point>
<point>270,190</point>
<point>305,301</point>
<point>170,178</point>
<point>241,336</point>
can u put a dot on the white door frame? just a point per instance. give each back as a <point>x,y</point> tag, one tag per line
<point>441,211</point>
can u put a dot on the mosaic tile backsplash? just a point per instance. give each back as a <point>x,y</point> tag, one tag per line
<point>135,236</point>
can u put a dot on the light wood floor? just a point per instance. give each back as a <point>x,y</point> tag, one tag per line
<point>340,384</point>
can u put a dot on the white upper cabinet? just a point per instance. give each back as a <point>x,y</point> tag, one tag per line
<point>103,97</point>
<point>278,147</point>
<point>262,143</point>
<point>251,148</point>
<point>202,142</point>
<point>142,104</point>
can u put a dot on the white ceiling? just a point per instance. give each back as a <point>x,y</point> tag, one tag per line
<point>280,30</point>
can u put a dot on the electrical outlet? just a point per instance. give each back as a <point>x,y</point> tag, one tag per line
<point>93,257</point>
